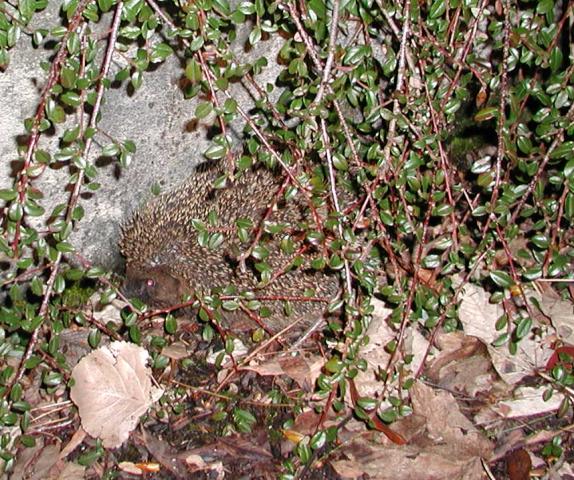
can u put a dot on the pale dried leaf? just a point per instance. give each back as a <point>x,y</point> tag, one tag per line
<point>239,350</point>
<point>77,438</point>
<point>175,351</point>
<point>112,390</point>
<point>446,424</point>
<point>527,401</point>
<point>462,365</point>
<point>411,462</point>
<point>34,463</point>
<point>71,471</point>
<point>376,355</point>
<point>532,354</point>
<point>561,314</point>
<point>196,462</point>
<point>131,468</point>
<point>477,315</point>
<point>348,470</point>
<point>109,312</point>
<point>304,370</point>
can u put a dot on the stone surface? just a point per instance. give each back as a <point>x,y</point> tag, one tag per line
<point>156,117</point>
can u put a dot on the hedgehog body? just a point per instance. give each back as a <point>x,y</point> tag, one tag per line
<point>165,260</point>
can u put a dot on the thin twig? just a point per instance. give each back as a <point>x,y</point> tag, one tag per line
<point>76,191</point>
<point>334,28</point>
<point>398,88</point>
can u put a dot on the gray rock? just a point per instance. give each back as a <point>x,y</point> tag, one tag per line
<point>156,117</point>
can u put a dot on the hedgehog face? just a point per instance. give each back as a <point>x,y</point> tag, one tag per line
<point>156,286</point>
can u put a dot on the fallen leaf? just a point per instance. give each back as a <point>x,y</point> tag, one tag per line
<point>175,351</point>
<point>304,370</point>
<point>561,314</point>
<point>34,463</point>
<point>165,454</point>
<point>376,355</point>
<point>518,465</point>
<point>462,364</point>
<point>477,315</point>
<point>527,401</point>
<point>407,463</point>
<point>112,390</point>
<point>447,425</point>
<point>71,471</point>
<point>532,354</point>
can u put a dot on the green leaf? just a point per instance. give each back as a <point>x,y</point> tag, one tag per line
<point>523,328</point>
<point>73,43</point>
<point>442,210</point>
<point>222,7</point>
<point>502,279</point>
<point>215,152</point>
<point>304,452</point>
<point>255,35</point>
<point>556,58</point>
<point>334,365</point>
<point>159,52</point>
<point>247,8</point>
<point>540,240</point>
<point>68,78</point>
<point>131,32</point>
<point>356,54</point>
<point>71,134</point>
<point>105,5</point>
<point>486,114</point>
<point>524,144</point>
<point>8,194</point>
<point>318,440</point>
<point>340,162</point>
<point>564,150</point>
<point>170,324</point>
<point>193,71</point>
<point>569,207</point>
<point>111,150</point>
<point>203,109</point>
<point>437,9</point>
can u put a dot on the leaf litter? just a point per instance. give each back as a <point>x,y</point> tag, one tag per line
<point>470,394</point>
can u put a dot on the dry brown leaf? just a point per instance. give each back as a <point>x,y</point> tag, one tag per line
<point>527,401</point>
<point>446,446</point>
<point>413,463</point>
<point>462,365</point>
<point>112,390</point>
<point>70,471</point>
<point>348,470</point>
<point>477,315</point>
<point>518,465</point>
<point>532,355</point>
<point>561,314</point>
<point>34,463</point>
<point>164,454</point>
<point>446,424</point>
<point>376,355</point>
<point>175,351</point>
<point>304,370</point>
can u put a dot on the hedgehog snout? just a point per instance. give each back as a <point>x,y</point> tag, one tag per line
<point>155,286</point>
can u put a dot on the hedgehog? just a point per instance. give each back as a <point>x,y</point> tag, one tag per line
<point>166,261</point>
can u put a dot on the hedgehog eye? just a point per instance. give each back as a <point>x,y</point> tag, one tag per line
<point>150,282</point>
